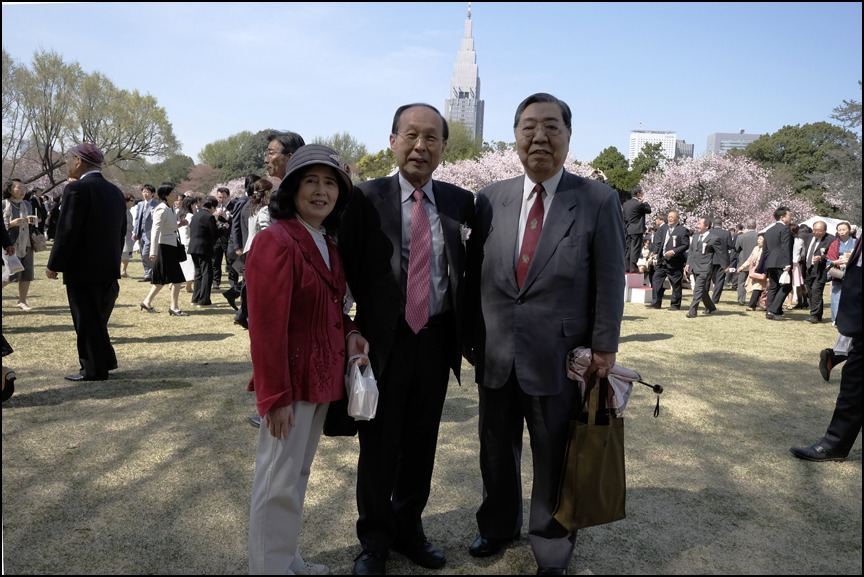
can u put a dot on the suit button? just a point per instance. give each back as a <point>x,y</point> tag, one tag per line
<point>519,301</point>
<point>338,325</point>
<point>342,353</point>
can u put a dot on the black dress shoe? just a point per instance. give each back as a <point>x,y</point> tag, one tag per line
<point>775,317</point>
<point>483,547</point>
<point>691,314</point>
<point>370,563</point>
<point>814,320</point>
<point>231,296</point>
<point>826,363</point>
<point>422,553</point>
<point>654,305</point>
<point>709,312</point>
<point>816,452</point>
<point>551,570</point>
<point>674,308</point>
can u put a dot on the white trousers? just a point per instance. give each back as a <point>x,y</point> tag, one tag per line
<point>282,469</point>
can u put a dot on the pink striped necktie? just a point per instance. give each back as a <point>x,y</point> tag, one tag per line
<point>417,297</point>
<point>533,228</point>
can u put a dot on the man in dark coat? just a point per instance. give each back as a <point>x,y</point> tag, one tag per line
<point>634,227</point>
<point>846,422</point>
<point>670,245</point>
<point>91,233</point>
<point>778,259</point>
<point>202,238</point>
<point>703,247</point>
<point>814,261</point>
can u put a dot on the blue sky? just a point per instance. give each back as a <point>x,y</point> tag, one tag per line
<point>321,68</point>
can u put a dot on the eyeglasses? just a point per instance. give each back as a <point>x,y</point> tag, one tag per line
<point>411,138</point>
<point>529,129</point>
<point>269,152</point>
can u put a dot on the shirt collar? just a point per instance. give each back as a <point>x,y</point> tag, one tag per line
<point>549,186</point>
<point>407,189</point>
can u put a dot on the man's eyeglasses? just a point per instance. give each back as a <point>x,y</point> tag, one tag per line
<point>529,129</point>
<point>411,138</point>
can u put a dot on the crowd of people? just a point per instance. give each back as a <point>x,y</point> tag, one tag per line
<point>511,279</point>
<point>782,267</point>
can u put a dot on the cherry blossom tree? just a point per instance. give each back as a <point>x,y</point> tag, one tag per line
<point>730,188</point>
<point>492,166</point>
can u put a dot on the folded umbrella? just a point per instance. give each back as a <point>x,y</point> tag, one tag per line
<point>621,380</point>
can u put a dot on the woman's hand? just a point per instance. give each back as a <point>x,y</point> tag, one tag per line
<point>152,258</point>
<point>279,421</point>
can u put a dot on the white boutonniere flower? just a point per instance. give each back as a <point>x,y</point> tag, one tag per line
<point>674,240</point>
<point>464,233</point>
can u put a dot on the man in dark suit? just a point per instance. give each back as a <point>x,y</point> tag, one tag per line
<point>223,221</point>
<point>142,227</point>
<point>402,241</point>
<point>745,242</point>
<point>704,246</point>
<point>202,238</point>
<point>670,245</point>
<point>546,276</point>
<point>634,211</point>
<point>814,261</point>
<point>90,236</point>
<point>721,270</point>
<point>778,246</point>
<point>846,422</point>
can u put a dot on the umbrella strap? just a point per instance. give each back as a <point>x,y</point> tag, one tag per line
<point>657,389</point>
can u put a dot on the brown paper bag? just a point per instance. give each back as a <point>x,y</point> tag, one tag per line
<point>593,483</point>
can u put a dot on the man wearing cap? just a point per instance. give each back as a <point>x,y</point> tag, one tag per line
<point>402,242</point>
<point>91,232</point>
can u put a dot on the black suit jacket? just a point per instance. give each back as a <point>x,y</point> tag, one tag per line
<point>238,222</point>
<point>679,241</point>
<point>778,246</point>
<point>370,244</point>
<point>849,314</point>
<point>820,248</point>
<point>726,245</point>
<point>203,233</point>
<point>634,216</point>
<point>91,231</point>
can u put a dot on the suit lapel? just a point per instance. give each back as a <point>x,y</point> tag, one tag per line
<point>452,235</point>
<point>389,206</point>
<point>510,207</point>
<point>310,251</point>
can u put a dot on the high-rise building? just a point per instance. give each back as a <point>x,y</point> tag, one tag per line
<point>464,104</point>
<point>639,138</point>
<point>720,143</point>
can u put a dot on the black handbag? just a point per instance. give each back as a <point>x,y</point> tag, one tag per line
<point>181,250</point>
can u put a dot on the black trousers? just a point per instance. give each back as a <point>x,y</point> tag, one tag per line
<point>675,276</point>
<point>632,251</point>
<point>719,283</point>
<point>846,420</point>
<point>91,305</point>
<point>815,283</point>
<point>219,250</point>
<point>203,279</point>
<point>397,447</point>
<point>777,293</point>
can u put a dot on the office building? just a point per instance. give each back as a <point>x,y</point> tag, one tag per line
<point>639,138</point>
<point>720,143</point>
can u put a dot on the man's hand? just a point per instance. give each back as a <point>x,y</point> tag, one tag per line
<point>9,250</point>
<point>52,274</point>
<point>238,252</point>
<point>601,363</point>
<point>357,345</point>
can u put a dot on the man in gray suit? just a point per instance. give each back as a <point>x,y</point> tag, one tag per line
<point>545,275</point>
<point>705,247</point>
<point>143,224</point>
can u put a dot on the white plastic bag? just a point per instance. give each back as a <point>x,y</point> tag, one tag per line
<point>785,278</point>
<point>362,390</point>
<point>13,266</point>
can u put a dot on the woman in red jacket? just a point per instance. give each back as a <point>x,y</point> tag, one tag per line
<point>300,339</point>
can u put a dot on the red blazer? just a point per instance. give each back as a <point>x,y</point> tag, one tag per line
<point>297,328</point>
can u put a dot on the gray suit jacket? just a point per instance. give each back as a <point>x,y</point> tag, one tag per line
<point>573,293</point>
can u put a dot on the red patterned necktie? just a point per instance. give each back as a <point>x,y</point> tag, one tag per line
<point>533,227</point>
<point>417,297</point>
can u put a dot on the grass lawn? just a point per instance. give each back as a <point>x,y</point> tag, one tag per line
<point>151,471</point>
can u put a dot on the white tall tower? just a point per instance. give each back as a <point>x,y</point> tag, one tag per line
<point>464,104</point>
